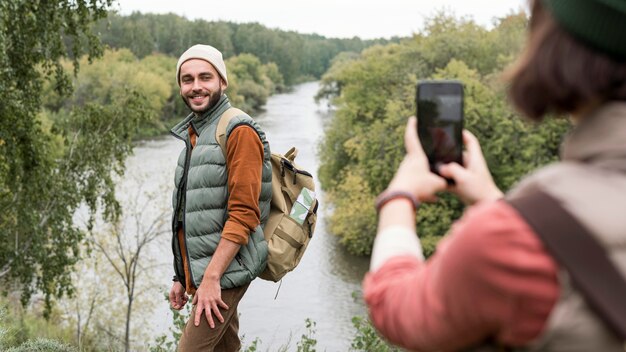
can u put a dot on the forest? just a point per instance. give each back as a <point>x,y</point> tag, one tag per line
<point>74,75</point>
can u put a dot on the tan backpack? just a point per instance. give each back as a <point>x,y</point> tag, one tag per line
<point>293,209</point>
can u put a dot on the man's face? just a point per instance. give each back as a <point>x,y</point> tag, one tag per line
<point>200,85</point>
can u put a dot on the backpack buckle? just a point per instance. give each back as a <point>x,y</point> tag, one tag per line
<point>286,164</point>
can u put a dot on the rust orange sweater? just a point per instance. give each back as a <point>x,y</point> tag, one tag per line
<point>490,277</point>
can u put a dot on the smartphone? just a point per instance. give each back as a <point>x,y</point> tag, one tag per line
<point>440,121</point>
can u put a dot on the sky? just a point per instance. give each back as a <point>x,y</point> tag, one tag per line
<point>366,19</point>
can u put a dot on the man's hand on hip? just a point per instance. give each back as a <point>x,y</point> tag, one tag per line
<point>208,298</point>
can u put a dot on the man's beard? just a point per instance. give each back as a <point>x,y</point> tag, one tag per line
<point>214,98</point>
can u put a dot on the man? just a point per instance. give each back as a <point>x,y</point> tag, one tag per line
<point>219,203</point>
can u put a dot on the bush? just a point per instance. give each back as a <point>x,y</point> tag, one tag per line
<point>367,339</point>
<point>42,345</point>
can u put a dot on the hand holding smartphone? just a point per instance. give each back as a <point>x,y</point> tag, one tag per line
<point>440,121</point>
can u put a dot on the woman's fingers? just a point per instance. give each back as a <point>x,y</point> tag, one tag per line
<point>411,140</point>
<point>473,151</point>
<point>453,171</point>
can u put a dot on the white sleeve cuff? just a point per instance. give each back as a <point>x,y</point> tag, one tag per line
<point>392,242</point>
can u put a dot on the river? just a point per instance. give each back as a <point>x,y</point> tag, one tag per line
<point>325,287</point>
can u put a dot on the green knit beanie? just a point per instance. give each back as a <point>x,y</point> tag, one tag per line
<point>600,24</point>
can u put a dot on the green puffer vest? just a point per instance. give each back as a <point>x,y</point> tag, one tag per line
<point>200,200</point>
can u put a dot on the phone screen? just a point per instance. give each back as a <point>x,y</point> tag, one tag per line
<point>440,120</point>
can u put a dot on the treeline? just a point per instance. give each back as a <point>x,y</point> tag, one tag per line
<point>298,56</point>
<point>143,50</point>
<point>374,93</point>
<point>260,61</point>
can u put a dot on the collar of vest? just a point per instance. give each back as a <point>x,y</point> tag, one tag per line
<point>199,122</point>
<point>599,138</point>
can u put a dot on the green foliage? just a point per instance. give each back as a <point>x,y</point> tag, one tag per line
<point>28,331</point>
<point>367,339</point>
<point>251,82</point>
<point>253,347</point>
<point>354,214</point>
<point>42,345</point>
<point>260,61</point>
<point>297,56</point>
<point>276,83</point>
<point>164,343</point>
<point>374,93</point>
<point>308,342</point>
<point>173,108</point>
<point>54,161</point>
<point>107,80</point>
<point>246,67</point>
<point>8,333</point>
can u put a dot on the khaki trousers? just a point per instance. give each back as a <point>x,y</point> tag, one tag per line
<point>224,337</point>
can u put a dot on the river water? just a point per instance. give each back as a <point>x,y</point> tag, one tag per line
<point>325,287</point>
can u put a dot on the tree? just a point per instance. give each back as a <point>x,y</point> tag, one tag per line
<point>125,244</point>
<point>115,275</point>
<point>374,93</point>
<point>251,82</point>
<point>51,164</point>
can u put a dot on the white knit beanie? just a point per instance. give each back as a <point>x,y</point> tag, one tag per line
<point>206,53</point>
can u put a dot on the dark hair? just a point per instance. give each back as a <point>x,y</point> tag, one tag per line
<point>558,73</point>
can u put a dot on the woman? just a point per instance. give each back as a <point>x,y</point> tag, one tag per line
<point>491,282</point>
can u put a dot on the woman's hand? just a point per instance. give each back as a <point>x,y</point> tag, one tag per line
<point>473,183</point>
<point>413,174</point>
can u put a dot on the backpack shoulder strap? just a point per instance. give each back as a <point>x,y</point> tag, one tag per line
<point>586,261</point>
<point>222,124</point>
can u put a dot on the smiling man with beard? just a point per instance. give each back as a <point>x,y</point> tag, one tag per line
<point>220,202</point>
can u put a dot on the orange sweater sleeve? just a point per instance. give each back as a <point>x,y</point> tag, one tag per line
<point>244,158</point>
<point>490,278</point>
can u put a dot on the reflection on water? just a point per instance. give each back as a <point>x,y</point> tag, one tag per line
<point>322,286</point>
